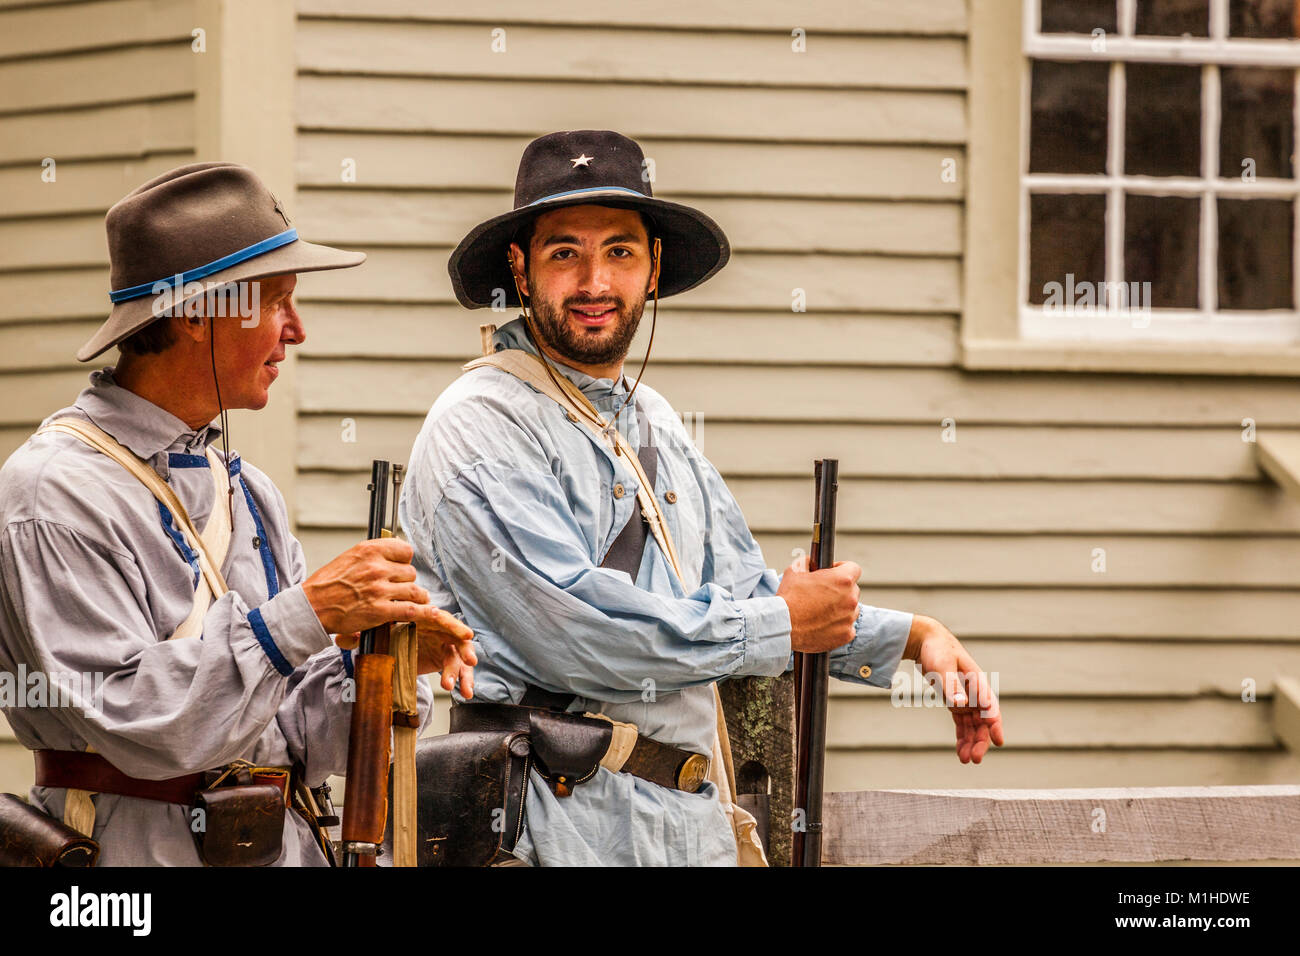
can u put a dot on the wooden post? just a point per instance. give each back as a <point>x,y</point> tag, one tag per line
<point>761,723</point>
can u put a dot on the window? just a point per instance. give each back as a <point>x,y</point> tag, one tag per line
<point>1154,202</point>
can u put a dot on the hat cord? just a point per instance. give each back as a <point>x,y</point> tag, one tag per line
<point>225,424</point>
<point>536,338</point>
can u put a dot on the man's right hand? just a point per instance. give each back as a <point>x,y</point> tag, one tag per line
<point>823,605</point>
<point>369,584</point>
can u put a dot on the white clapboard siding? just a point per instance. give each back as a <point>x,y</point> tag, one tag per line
<point>840,170</point>
<point>1001,560</point>
<point>616,55</point>
<point>78,27</point>
<point>503,106</point>
<point>1010,768</point>
<point>1197,723</point>
<point>30,346</point>
<point>94,132</point>
<point>828,16</point>
<point>85,187</point>
<point>1094,667</point>
<point>68,241</point>
<point>154,72</point>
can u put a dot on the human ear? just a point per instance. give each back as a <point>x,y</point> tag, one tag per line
<point>193,326</point>
<point>518,266</point>
<point>656,259</point>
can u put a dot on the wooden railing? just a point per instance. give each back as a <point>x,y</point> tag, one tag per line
<point>1107,825</point>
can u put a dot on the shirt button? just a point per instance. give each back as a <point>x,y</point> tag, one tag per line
<point>619,490</point>
<point>257,542</point>
<point>864,671</point>
<point>671,497</point>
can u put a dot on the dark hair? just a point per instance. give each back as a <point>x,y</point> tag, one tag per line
<point>524,234</point>
<point>155,337</point>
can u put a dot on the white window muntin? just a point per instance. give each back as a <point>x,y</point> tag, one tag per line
<point>1206,323</point>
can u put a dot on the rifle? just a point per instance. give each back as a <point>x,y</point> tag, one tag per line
<point>812,674</point>
<point>384,707</point>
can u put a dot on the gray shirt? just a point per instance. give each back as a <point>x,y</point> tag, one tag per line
<point>94,577</point>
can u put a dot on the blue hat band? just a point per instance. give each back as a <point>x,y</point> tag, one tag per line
<point>590,191</point>
<point>203,271</point>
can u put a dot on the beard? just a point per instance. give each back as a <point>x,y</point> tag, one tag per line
<point>590,346</point>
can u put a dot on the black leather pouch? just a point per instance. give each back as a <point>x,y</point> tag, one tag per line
<point>240,825</point>
<point>471,789</point>
<point>31,837</point>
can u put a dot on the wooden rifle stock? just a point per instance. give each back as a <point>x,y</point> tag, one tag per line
<point>365,808</point>
<point>812,674</point>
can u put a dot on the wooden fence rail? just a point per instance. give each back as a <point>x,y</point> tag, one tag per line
<point>1119,825</point>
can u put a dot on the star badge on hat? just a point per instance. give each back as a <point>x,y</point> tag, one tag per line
<point>583,160</point>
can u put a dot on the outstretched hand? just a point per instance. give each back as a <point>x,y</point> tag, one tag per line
<point>966,689</point>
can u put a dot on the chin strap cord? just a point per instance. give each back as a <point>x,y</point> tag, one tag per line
<point>225,424</point>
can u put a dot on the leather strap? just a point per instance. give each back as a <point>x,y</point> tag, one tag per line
<point>649,759</point>
<point>91,772</point>
<point>628,548</point>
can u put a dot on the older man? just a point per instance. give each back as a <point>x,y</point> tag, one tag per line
<point>527,518</point>
<point>195,660</point>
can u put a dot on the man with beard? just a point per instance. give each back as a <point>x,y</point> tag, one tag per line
<point>527,503</point>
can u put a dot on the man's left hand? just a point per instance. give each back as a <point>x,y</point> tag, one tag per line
<point>447,646</point>
<point>966,689</point>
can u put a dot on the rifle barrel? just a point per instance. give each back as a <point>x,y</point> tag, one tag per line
<point>813,677</point>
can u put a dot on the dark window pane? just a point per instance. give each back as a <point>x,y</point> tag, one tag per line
<point>1162,128</point>
<point>1067,242</point>
<point>1257,121</point>
<point>1161,242</point>
<point>1067,132</point>
<point>1255,253</point>
<point>1078,16</point>
<point>1261,18</point>
<point>1173,18</point>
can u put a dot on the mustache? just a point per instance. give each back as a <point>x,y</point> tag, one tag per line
<point>574,302</point>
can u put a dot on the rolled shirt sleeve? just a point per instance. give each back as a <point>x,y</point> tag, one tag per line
<point>735,562</point>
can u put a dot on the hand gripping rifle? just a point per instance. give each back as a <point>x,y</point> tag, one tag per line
<point>812,673</point>
<point>384,706</point>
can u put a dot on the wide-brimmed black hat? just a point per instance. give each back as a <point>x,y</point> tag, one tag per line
<point>580,168</point>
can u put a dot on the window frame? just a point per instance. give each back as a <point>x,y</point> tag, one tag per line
<point>998,183</point>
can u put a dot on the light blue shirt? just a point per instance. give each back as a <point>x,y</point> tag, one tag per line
<point>511,506</point>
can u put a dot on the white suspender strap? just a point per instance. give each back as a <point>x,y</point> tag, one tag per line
<point>210,546</point>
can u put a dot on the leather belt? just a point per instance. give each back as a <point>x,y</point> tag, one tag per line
<point>650,759</point>
<point>87,771</point>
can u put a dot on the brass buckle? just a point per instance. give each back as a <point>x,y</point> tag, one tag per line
<point>693,772</point>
